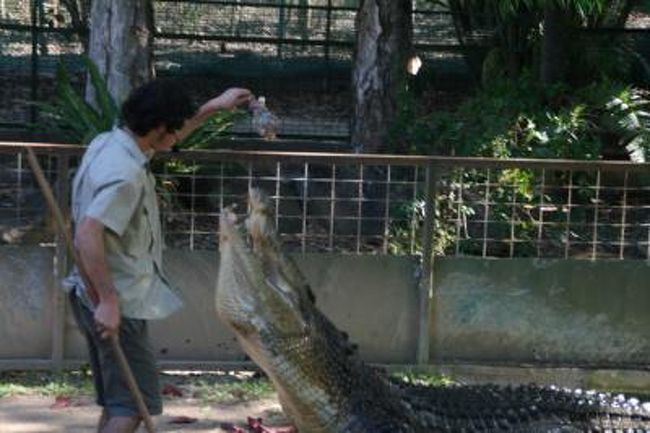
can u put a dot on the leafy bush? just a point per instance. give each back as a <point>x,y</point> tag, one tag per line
<point>70,116</point>
<point>522,119</point>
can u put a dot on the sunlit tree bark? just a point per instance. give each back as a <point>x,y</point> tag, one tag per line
<point>120,43</point>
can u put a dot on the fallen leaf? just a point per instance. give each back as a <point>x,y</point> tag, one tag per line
<point>183,420</point>
<point>61,402</point>
<point>231,428</point>
<point>255,425</point>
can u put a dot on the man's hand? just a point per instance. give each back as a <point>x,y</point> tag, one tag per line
<point>107,318</point>
<point>231,98</point>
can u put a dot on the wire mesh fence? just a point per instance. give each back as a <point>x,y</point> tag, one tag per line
<point>546,212</point>
<point>360,204</point>
<point>318,207</point>
<point>23,214</point>
<point>298,53</point>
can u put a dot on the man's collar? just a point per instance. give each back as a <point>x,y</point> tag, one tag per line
<point>128,141</point>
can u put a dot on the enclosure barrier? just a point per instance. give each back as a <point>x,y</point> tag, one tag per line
<point>286,50</point>
<point>381,205</point>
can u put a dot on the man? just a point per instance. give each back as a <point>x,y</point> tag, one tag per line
<point>119,243</point>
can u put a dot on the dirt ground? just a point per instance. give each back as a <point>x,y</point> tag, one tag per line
<point>30,414</point>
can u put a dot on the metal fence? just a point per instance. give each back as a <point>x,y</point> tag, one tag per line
<point>372,204</point>
<point>296,52</point>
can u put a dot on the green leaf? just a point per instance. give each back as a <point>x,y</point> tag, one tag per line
<point>73,104</point>
<point>210,130</point>
<point>106,103</point>
<point>637,149</point>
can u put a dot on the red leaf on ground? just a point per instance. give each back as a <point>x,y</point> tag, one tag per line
<point>183,420</point>
<point>231,428</point>
<point>255,425</point>
<point>61,402</point>
<point>173,390</point>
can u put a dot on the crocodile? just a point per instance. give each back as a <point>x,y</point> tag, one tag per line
<point>324,387</point>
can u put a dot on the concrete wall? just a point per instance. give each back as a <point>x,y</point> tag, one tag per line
<point>542,311</point>
<point>485,311</point>
<point>26,283</point>
<point>372,298</point>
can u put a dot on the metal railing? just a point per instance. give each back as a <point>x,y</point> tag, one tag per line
<point>377,204</point>
<point>366,204</point>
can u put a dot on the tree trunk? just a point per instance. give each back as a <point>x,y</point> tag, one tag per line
<point>120,43</point>
<point>555,62</point>
<point>383,46</point>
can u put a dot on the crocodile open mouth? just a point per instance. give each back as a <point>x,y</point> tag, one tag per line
<point>258,287</point>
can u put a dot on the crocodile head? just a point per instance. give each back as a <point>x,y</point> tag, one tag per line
<point>257,298</point>
<point>263,297</point>
<point>254,296</point>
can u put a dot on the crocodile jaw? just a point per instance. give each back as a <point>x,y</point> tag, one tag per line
<point>262,309</point>
<point>263,297</point>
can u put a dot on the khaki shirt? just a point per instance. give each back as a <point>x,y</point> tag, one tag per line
<point>114,185</point>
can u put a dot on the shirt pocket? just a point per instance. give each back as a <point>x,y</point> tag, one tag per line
<point>139,237</point>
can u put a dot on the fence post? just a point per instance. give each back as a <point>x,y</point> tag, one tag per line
<point>36,7</point>
<point>328,31</point>
<point>60,268</point>
<point>328,41</point>
<point>425,298</point>
<point>281,26</point>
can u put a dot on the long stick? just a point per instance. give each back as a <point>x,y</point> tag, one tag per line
<point>67,237</point>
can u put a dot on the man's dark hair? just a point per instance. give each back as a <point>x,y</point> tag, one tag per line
<point>158,102</point>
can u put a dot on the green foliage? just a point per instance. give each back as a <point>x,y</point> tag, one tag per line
<point>211,129</point>
<point>523,119</point>
<point>40,383</point>
<point>410,219</point>
<point>508,8</point>
<point>72,117</point>
<point>620,117</point>
<point>518,119</point>
<point>222,388</point>
<point>419,378</point>
<point>517,30</point>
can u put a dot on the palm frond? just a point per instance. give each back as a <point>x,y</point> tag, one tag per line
<point>107,106</point>
<point>210,130</point>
